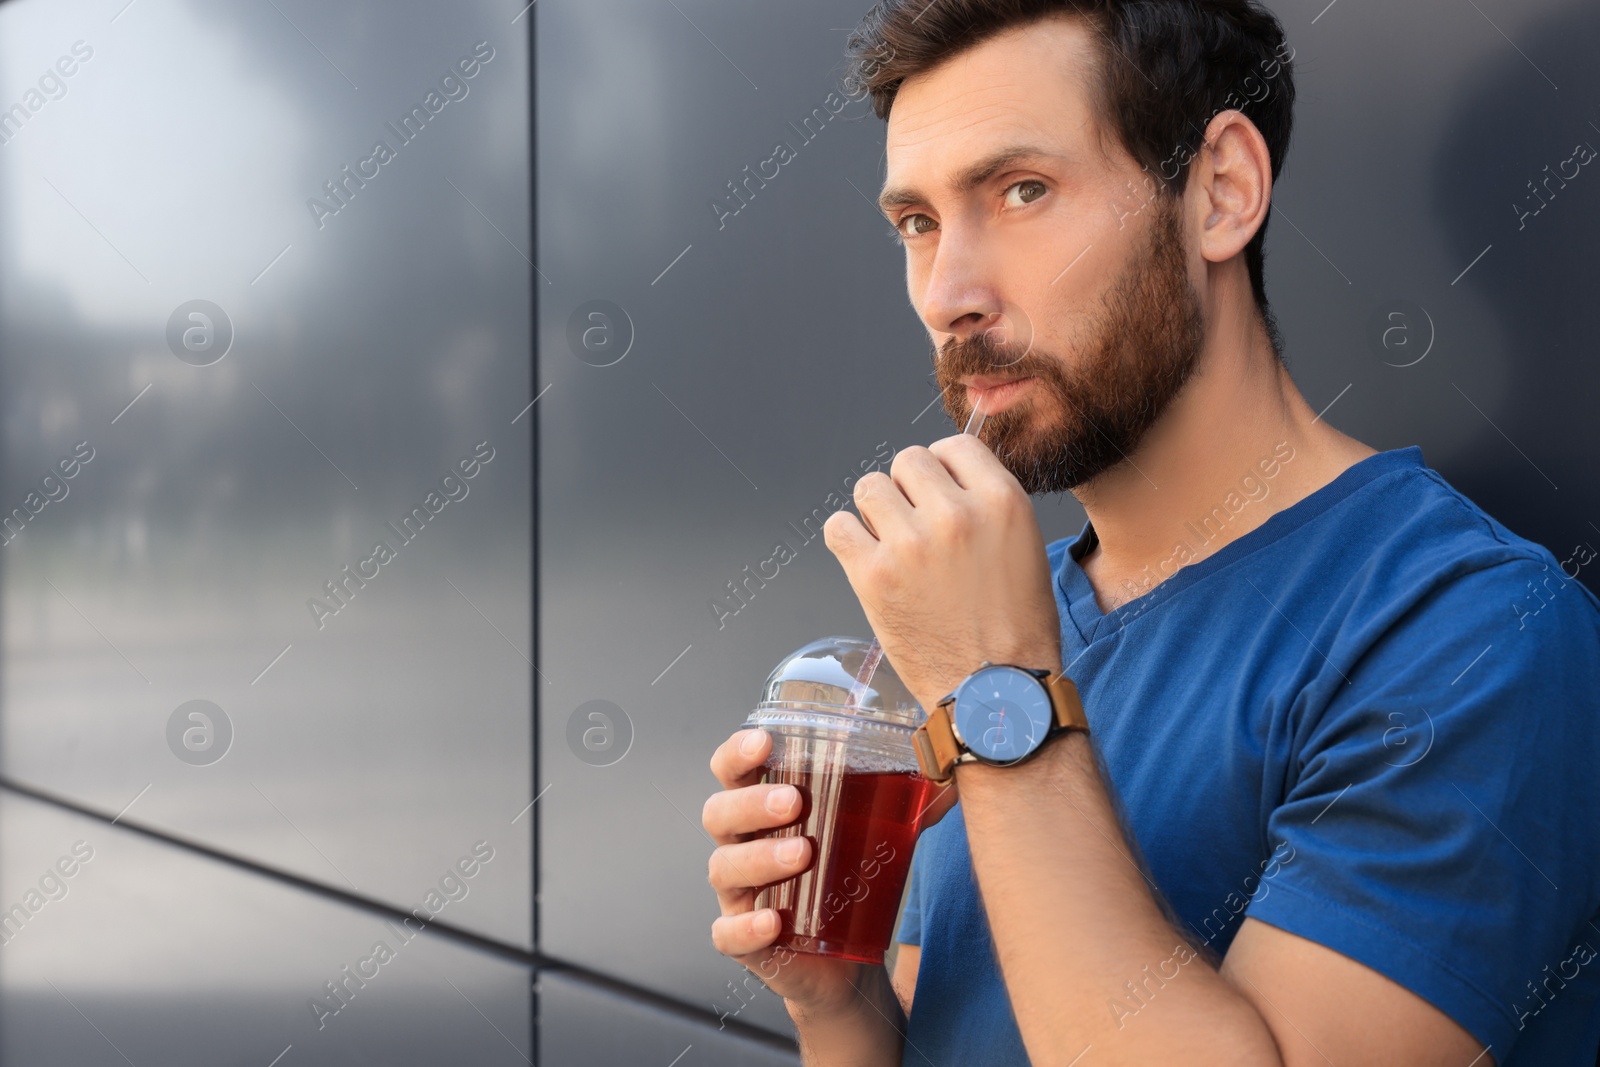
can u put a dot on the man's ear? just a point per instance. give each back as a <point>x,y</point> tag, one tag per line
<point>1231,184</point>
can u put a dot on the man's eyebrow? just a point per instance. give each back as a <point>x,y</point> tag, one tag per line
<point>971,176</point>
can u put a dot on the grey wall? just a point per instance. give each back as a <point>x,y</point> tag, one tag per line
<point>742,370</point>
<point>366,362</point>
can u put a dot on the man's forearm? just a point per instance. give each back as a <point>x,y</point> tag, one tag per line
<point>1073,919</point>
<point>866,1032</point>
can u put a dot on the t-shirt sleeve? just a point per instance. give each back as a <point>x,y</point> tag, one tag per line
<point>910,931</point>
<point>1440,823</point>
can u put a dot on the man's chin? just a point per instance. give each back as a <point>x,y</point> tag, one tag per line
<point>1032,447</point>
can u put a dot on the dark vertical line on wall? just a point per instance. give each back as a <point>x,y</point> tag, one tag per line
<point>5,374</point>
<point>536,583</point>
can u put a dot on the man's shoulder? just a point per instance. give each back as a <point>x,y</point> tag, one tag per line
<point>1440,606</point>
<point>1418,536</point>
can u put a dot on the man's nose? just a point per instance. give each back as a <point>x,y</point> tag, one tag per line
<point>959,295</point>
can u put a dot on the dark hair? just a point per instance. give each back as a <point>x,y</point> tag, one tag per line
<point>1166,67</point>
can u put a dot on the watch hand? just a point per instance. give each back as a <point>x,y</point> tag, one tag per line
<point>998,717</point>
<point>1000,712</point>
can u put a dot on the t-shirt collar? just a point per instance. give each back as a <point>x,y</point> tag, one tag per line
<point>1084,612</point>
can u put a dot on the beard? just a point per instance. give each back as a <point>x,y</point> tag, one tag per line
<point>1085,416</point>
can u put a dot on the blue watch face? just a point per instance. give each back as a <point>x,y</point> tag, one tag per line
<point>1002,713</point>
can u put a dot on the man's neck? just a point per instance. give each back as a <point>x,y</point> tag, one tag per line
<point>1213,469</point>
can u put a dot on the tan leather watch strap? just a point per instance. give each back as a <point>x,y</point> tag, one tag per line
<point>936,745</point>
<point>1066,702</point>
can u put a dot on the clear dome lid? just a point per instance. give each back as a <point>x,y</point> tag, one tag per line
<point>815,683</point>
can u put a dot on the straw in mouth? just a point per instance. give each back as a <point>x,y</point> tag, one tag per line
<point>975,420</point>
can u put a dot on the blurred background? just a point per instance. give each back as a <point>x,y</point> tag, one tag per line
<point>367,509</point>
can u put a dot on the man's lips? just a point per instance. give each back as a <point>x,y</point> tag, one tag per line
<point>996,392</point>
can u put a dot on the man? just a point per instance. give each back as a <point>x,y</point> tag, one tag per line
<point>1337,801</point>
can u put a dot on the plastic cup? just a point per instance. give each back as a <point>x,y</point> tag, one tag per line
<point>862,796</point>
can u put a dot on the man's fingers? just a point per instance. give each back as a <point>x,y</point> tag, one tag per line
<point>846,537</point>
<point>971,463</point>
<point>736,869</point>
<point>740,935</point>
<point>738,760</point>
<point>883,507</point>
<point>734,814</point>
<point>922,476</point>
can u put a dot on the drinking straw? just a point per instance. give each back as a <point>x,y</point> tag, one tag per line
<point>869,665</point>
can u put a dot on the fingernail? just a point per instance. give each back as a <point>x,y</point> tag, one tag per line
<point>781,799</point>
<point>789,851</point>
<point>752,743</point>
<point>766,923</point>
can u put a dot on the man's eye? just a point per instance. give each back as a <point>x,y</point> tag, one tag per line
<point>917,229</point>
<point>1030,191</point>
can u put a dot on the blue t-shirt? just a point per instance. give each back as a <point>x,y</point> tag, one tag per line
<point>1372,721</point>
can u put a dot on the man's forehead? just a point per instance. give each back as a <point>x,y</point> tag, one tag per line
<point>1028,86</point>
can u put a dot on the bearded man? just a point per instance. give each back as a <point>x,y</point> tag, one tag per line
<point>1331,794</point>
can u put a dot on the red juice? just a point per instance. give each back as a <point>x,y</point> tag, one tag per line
<point>862,825</point>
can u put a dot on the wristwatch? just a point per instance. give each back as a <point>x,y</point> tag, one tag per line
<point>1000,714</point>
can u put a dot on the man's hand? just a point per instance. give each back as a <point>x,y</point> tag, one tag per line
<point>745,861</point>
<point>949,567</point>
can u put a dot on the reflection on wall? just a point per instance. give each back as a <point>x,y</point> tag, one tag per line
<point>282,608</point>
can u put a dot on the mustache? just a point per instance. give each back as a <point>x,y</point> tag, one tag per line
<point>978,355</point>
